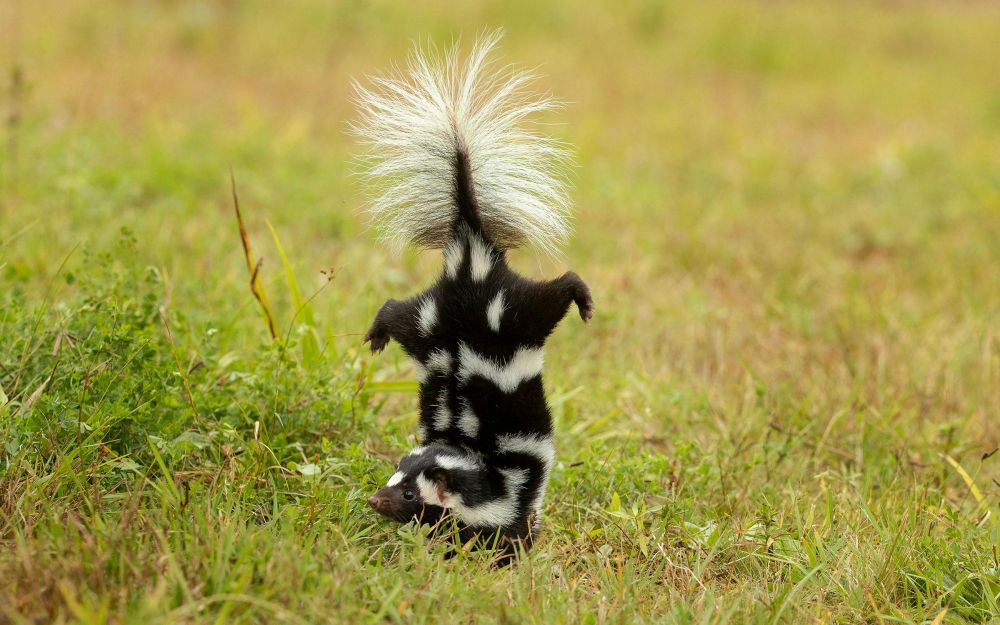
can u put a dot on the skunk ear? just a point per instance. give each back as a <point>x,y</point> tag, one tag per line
<point>441,479</point>
<point>440,476</point>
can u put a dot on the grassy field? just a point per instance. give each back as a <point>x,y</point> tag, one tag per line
<point>783,411</point>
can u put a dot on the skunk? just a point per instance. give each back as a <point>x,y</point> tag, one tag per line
<point>454,170</point>
<point>488,502</point>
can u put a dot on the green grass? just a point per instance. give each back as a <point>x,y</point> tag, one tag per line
<point>789,214</point>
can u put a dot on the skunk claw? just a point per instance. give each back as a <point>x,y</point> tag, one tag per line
<point>376,341</point>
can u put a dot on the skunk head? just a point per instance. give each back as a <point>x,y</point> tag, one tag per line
<point>424,485</point>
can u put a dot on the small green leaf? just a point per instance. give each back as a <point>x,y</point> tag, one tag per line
<point>190,438</point>
<point>127,464</point>
<point>616,503</point>
<point>308,470</point>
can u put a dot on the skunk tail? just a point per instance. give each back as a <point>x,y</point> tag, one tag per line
<point>447,148</point>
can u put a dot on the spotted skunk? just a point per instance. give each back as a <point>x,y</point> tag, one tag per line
<point>436,480</point>
<point>455,171</point>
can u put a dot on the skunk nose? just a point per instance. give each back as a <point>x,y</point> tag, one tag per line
<point>375,501</point>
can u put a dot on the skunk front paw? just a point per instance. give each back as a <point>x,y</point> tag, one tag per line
<point>586,306</point>
<point>582,298</point>
<point>377,338</point>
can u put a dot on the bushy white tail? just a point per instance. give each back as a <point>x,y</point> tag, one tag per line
<point>423,122</point>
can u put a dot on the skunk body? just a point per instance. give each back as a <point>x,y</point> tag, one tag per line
<point>460,175</point>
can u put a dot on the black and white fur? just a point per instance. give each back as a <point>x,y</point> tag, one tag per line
<point>460,175</point>
<point>437,481</point>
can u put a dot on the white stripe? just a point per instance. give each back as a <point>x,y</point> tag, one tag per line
<point>498,512</point>
<point>416,451</point>
<point>454,252</point>
<point>540,447</point>
<point>422,430</point>
<point>525,364</point>
<point>482,258</point>
<point>396,478</point>
<point>468,422</point>
<point>428,316</point>
<point>442,415</point>
<point>495,310</point>
<point>421,371</point>
<point>439,360</point>
<point>536,503</point>
<point>456,462</point>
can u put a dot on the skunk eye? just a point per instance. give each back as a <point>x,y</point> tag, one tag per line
<point>408,495</point>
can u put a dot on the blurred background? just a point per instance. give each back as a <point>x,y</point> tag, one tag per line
<point>789,214</point>
<point>786,190</point>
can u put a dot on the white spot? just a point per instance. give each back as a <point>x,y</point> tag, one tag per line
<point>481,258</point>
<point>442,415</point>
<point>439,360</point>
<point>495,310</point>
<point>428,316</point>
<point>422,430</point>
<point>454,253</point>
<point>498,512</point>
<point>416,451</point>
<point>525,364</point>
<point>457,462</point>
<point>468,422</point>
<point>396,478</point>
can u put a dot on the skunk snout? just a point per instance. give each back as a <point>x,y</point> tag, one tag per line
<point>375,501</point>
